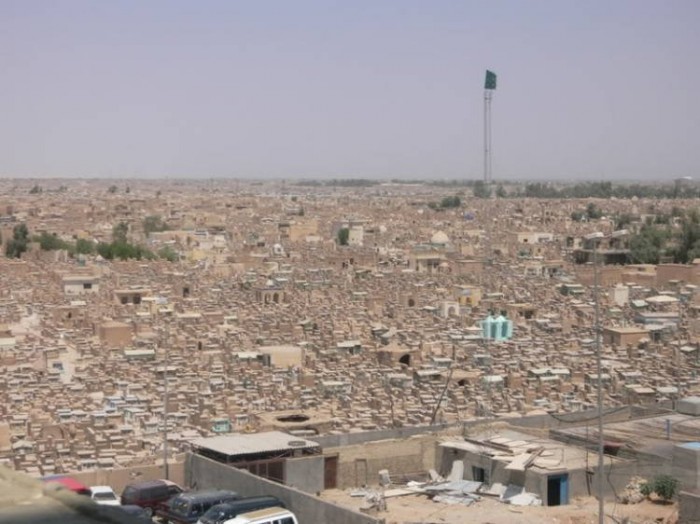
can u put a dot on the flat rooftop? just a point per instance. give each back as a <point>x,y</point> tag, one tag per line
<point>253,443</point>
<point>647,435</point>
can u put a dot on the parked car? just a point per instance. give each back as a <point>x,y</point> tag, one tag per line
<point>222,512</point>
<point>104,495</point>
<point>69,483</point>
<point>149,494</point>
<point>139,515</point>
<point>187,508</point>
<point>265,516</point>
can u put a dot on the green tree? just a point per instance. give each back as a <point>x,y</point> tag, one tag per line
<point>35,190</point>
<point>124,251</point>
<point>20,232</point>
<point>677,211</point>
<point>540,190</point>
<point>18,243</point>
<point>578,216</point>
<point>84,247</point>
<point>662,218</point>
<point>451,201</point>
<point>168,253</point>
<point>501,191</point>
<point>112,189</point>
<point>688,240</point>
<point>623,220</point>
<point>481,190</point>
<point>119,232</point>
<point>593,212</point>
<point>648,246</point>
<point>51,242</point>
<point>343,236</point>
<point>154,223</point>
<point>105,250</point>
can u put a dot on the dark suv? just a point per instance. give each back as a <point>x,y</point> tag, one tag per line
<point>186,508</point>
<point>149,494</point>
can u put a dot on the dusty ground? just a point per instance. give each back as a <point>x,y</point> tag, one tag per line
<point>419,509</point>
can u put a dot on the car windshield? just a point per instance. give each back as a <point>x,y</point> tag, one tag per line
<point>180,506</point>
<point>104,495</point>
<point>216,515</point>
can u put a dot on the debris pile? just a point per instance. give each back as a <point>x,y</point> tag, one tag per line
<point>453,490</point>
<point>633,491</point>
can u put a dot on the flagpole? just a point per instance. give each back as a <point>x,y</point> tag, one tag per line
<point>489,170</point>
<point>486,136</point>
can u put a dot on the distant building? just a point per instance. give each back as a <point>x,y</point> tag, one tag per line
<point>80,284</point>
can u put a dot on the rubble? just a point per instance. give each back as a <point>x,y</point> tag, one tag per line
<point>633,491</point>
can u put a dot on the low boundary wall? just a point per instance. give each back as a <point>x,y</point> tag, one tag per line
<point>204,473</point>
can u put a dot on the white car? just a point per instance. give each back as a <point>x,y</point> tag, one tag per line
<point>265,516</point>
<point>104,495</point>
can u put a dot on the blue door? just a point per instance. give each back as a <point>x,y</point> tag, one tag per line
<point>558,490</point>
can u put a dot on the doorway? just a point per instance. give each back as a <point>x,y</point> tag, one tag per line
<point>330,472</point>
<point>479,475</point>
<point>558,490</point>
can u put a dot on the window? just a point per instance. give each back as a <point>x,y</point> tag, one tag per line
<point>87,285</point>
<point>105,496</point>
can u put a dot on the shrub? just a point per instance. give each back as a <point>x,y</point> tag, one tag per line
<point>665,486</point>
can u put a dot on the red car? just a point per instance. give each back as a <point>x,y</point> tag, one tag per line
<point>69,483</point>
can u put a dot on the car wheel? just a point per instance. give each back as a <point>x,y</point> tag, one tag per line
<point>149,512</point>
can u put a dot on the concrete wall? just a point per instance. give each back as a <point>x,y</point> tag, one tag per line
<point>305,473</point>
<point>617,474</point>
<point>348,439</point>
<point>118,478</point>
<point>608,275</point>
<point>688,508</point>
<point>360,464</point>
<point>580,418</point>
<point>686,465</point>
<point>203,473</point>
<point>686,272</point>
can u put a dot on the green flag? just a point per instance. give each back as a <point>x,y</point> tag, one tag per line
<point>490,82</point>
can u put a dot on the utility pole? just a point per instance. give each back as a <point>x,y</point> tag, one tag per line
<point>165,408</point>
<point>599,365</point>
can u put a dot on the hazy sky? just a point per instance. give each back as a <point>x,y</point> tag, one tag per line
<point>598,89</point>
